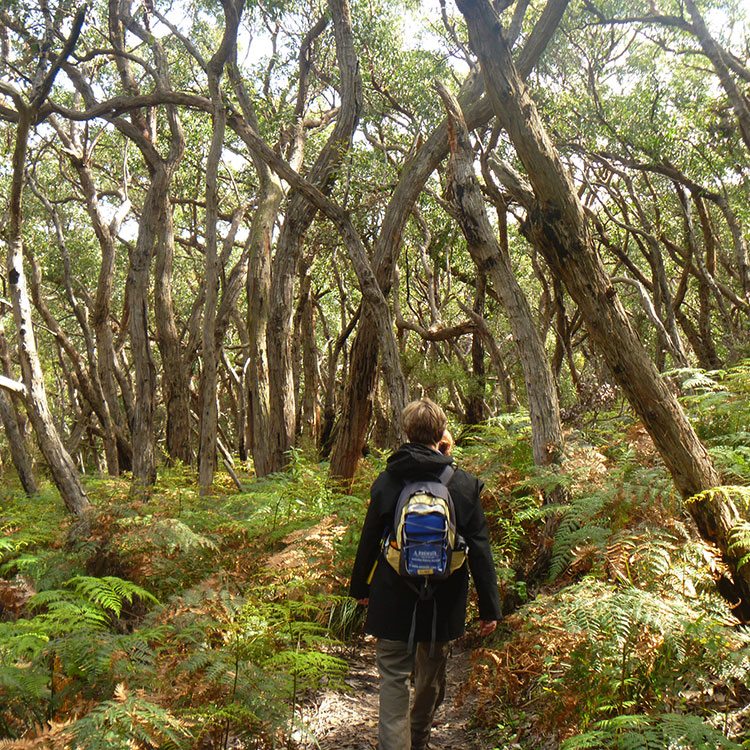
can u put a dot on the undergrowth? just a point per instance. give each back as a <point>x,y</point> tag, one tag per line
<point>629,645</point>
<point>173,624</point>
<point>183,621</point>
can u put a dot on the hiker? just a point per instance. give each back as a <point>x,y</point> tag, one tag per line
<point>397,613</point>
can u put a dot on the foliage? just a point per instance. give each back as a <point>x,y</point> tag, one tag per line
<point>129,720</point>
<point>630,645</point>
<point>639,732</point>
<point>233,643</point>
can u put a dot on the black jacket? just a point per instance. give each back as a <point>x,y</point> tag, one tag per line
<point>392,601</point>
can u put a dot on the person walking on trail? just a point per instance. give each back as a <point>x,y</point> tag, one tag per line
<point>396,613</point>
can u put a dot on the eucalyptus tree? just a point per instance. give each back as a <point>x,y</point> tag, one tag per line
<point>9,415</point>
<point>556,224</point>
<point>357,405</point>
<point>256,380</point>
<point>673,128</point>
<point>44,62</point>
<point>494,261</point>
<point>78,146</point>
<point>209,411</point>
<point>297,219</point>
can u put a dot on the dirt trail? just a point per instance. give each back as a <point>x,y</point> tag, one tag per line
<point>348,720</point>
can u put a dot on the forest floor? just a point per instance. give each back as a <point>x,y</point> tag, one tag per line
<point>348,719</point>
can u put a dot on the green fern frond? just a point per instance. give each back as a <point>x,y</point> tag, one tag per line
<point>642,732</point>
<point>730,493</point>
<point>693,379</point>
<point>309,668</point>
<point>739,542</point>
<point>116,724</point>
<point>65,612</point>
<point>109,592</point>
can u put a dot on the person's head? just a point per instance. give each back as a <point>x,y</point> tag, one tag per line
<point>424,422</point>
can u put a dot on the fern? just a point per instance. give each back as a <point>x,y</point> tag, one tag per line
<point>739,542</point>
<point>170,535</point>
<point>576,529</point>
<point>121,723</point>
<point>640,732</point>
<point>109,592</point>
<point>309,668</point>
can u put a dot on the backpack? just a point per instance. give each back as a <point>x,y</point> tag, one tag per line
<point>424,546</point>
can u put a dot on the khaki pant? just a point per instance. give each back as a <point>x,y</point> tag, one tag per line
<point>398,727</point>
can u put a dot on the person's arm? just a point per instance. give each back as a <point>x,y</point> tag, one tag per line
<point>368,550</point>
<point>482,564</point>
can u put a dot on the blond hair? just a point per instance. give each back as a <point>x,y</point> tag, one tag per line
<point>424,422</point>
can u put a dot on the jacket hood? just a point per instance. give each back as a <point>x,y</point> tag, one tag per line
<point>415,458</point>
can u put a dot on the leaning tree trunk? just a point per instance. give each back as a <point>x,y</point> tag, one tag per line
<point>357,404</point>
<point>63,470</point>
<point>556,224</point>
<point>494,261</point>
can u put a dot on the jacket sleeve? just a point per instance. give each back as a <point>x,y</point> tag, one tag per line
<point>368,550</point>
<point>481,562</point>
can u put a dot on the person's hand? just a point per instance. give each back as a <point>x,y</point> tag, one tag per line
<point>486,627</point>
<point>363,602</point>
<point>445,445</point>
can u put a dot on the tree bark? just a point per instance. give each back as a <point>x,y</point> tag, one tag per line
<point>357,406</point>
<point>19,451</point>
<point>209,413</point>
<point>713,52</point>
<point>556,224</point>
<point>62,468</point>
<point>298,219</point>
<point>494,261</point>
<point>175,358</point>
<point>105,360</point>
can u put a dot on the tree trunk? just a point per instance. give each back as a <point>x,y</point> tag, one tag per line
<point>19,451</point>
<point>715,54</point>
<point>494,261</point>
<point>63,470</point>
<point>556,224</point>
<point>476,411</point>
<point>298,219</point>
<point>209,413</point>
<point>357,406</point>
<point>259,303</point>
<point>176,367</point>
<point>310,413</point>
<point>153,218</point>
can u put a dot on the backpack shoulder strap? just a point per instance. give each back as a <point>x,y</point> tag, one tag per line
<point>447,474</point>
